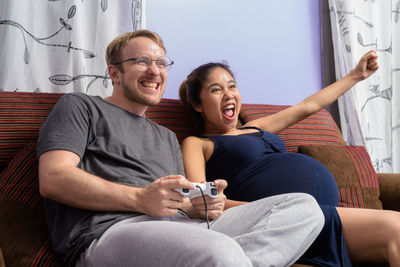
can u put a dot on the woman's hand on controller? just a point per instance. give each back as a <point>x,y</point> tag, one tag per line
<point>215,206</point>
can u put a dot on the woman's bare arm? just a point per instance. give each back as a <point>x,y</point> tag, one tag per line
<point>194,159</point>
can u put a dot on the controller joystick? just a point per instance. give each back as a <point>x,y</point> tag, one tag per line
<point>208,189</point>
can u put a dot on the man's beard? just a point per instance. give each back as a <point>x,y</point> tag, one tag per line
<point>135,96</point>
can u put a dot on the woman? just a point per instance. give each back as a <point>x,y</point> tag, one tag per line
<point>255,163</point>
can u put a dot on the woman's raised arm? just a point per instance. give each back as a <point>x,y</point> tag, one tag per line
<point>367,65</point>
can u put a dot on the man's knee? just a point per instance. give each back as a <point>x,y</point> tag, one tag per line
<point>223,251</point>
<point>310,204</point>
<point>308,209</point>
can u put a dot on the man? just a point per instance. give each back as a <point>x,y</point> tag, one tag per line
<point>109,175</point>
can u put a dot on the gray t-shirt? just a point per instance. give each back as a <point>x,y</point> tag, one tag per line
<point>113,144</point>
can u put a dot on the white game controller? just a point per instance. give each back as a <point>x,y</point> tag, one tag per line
<point>208,189</point>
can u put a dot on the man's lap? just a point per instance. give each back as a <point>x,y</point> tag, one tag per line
<point>168,241</point>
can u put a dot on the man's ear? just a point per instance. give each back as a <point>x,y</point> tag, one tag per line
<point>113,72</point>
<point>198,107</point>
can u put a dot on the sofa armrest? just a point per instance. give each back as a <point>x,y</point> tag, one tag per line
<point>389,187</point>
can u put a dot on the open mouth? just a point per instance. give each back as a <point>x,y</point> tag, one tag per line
<point>150,84</point>
<point>229,111</point>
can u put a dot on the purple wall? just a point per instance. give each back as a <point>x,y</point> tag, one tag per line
<point>273,47</point>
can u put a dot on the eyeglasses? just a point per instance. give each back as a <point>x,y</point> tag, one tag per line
<point>144,62</point>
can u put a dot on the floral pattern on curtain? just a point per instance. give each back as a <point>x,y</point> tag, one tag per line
<point>59,46</point>
<point>370,111</point>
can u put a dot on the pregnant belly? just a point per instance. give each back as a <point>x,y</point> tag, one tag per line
<point>280,173</point>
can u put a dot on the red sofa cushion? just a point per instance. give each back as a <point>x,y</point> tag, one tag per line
<point>21,115</point>
<point>171,113</point>
<point>319,128</point>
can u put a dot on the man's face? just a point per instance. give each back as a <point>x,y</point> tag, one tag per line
<point>142,86</point>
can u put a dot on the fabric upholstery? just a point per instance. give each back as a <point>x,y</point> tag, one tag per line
<point>389,188</point>
<point>319,128</point>
<point>21,115</point>
<point>171,113</point>
<point>21,209</point>
<point>19,181</point>
<point>2,262</point>
<point>355,176</point>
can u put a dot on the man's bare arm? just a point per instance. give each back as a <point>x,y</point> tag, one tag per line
<point>61,180</point>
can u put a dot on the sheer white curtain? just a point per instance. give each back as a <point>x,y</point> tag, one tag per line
<point>370,111</point>
<point>59,46</point>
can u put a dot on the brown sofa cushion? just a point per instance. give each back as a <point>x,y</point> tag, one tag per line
<point>389,189</point>
<point>355,176</point>
<point>21,211</point>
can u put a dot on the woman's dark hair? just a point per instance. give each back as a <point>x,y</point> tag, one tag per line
<point>189,91</point>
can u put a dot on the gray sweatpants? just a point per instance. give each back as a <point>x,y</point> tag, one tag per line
<point>273,231</point>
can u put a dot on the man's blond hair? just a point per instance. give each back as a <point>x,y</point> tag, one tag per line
<point>113,52</point>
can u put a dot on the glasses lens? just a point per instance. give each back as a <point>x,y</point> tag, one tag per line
<point>162,62</point>
<point>143,62</point>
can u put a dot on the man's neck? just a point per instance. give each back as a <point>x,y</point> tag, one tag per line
<point>126,104</point>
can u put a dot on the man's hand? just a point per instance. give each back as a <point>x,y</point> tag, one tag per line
<point>215,206</point>
<point>160,199</point>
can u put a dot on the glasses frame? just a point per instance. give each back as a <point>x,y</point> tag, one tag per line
<point>148,66</point>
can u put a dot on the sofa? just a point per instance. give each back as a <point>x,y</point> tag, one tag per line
<point>24,239</point>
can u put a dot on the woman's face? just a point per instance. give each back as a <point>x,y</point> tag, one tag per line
<point>220,102</point>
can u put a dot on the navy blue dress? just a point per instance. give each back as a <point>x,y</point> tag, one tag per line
<point>257,165</point>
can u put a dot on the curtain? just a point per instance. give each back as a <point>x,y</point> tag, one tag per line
<point>59,46</point>
<point>370,111</point>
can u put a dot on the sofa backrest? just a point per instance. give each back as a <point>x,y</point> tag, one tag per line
<point>22,113</point>
<point>317,129</point>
